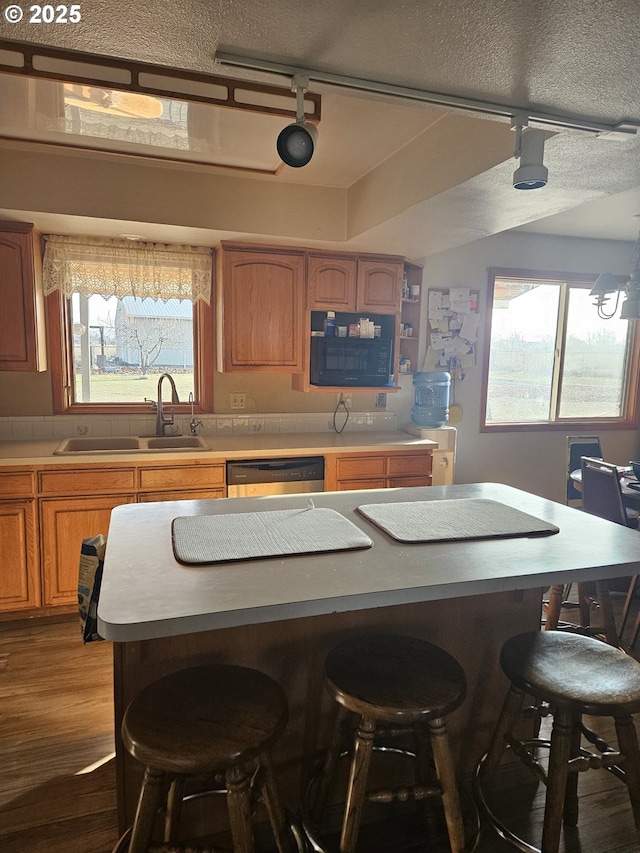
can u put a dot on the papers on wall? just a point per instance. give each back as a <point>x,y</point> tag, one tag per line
<point>452,330</point>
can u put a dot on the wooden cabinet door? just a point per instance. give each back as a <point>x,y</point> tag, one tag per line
<point>331,283</point>
<point>64,523</point>
<point>22,344</point>
<point>19,570</point>
<point>261,311</point>
<point>379,288</point>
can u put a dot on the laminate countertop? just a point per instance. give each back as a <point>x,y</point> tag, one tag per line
<point>146,593</point>
<point>227,447</point>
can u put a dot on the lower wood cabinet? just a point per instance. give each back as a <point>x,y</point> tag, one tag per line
<point>47,511</point>
<point>377,470</point>
<point>19,564</point>
<point>64,523</point>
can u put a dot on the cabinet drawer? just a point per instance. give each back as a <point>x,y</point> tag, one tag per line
<point>409,464</point>
<point>407,482</point>
<point>350,485</point>
<point>360,467</point>
<point>96,481</point>
<point>182,495</point>
<point>182,477</point>
<point>17,484</point>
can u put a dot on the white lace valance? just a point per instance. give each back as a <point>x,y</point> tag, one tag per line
<point>125,268</point>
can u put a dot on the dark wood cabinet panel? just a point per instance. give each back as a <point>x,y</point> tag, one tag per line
<point>22,343</point>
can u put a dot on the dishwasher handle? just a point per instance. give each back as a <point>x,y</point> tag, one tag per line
<point>277,470</point>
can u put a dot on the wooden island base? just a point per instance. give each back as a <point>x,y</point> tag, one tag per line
<point>472,629</point>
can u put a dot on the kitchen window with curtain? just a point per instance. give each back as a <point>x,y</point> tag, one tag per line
<point>550,361</point>
<point>120,314</point>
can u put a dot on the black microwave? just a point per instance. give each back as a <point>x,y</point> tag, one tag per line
<point>360,362</point>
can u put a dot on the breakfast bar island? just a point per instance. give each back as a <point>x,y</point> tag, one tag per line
<point>282,614</point>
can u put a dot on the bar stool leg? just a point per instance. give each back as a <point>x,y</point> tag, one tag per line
<point>148,805</point>
<point>510,710</point>
<point>553,608</point>
<point>446,775</point>
<point>174,810</point>
<point>425,775</point>
<point>557,779</point>
<point>570,812</point>
<point>239,809</point>
<point>606,612</point>
<point>327,775</point>
<point>628,743</point>
<point>274,806</point>
<point>358,773</point>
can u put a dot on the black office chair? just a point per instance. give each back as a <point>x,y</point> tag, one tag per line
<point>577,447</point>
<point>602,496</point>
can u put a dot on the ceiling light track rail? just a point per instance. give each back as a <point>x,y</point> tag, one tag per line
<point>88,69</point>
<point>621,130</point>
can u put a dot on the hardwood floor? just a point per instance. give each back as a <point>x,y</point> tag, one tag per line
<point>56,722</point>
<point>57,789</point>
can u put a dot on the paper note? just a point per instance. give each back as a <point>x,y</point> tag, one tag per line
<point>469,330</point>
<point>460,294</point>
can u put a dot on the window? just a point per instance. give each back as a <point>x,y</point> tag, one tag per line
<point>120,315</point>
<point>550,360</point>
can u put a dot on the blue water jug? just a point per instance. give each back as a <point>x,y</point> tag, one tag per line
<point>431,409</point>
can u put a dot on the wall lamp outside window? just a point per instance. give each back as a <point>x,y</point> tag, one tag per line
<point>607,283</point>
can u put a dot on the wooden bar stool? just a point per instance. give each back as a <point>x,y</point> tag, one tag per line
<point>575,675</point>
<point>597,591</point>
<point>207,721</point>
<point>410,685</point>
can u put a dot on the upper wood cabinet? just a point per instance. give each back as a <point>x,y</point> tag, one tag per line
<point>354,284</point>
<point>331,283</point>
<point>379,286</point>
<point>22,340</point>
<point>260,307</point>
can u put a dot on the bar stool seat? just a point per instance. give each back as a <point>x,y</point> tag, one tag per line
<point>410,684</point>
<point>575,675</point>
<point>207,720</point>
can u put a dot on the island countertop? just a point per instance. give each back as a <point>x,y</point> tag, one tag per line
<point>146,593</point>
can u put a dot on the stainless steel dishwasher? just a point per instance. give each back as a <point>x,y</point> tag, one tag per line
<point>247,478</point>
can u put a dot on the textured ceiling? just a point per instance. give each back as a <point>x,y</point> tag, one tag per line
<point>577,58</point>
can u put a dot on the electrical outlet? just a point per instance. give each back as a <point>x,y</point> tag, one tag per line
<point>237,400</point>
<point>347,399</point>
<point>381,401</point>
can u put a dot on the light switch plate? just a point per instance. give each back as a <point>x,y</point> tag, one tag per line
<point>237,400</point>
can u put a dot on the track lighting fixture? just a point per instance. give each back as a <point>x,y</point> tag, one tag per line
<point>297,142</point>
<point>532,173</point>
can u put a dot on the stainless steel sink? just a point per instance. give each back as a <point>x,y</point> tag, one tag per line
<point>131,444</point>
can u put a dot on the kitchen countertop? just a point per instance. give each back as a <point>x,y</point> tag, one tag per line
<point>249,446</point>
<point>146,593</point>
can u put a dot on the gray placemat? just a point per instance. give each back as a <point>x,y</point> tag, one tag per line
<point>202,539</point>
<point>465,518</point>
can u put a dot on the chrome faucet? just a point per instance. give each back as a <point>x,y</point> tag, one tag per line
<point>163,420</point>
<point>193,423</point>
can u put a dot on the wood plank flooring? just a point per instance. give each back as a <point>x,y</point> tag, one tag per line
<point>57,783</point>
